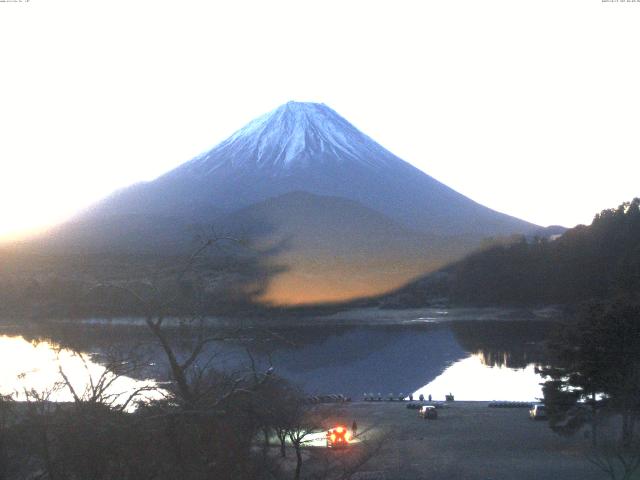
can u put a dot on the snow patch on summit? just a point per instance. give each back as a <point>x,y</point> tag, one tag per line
<point>295,136</point>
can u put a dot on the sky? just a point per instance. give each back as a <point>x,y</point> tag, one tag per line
<point>530,108</point>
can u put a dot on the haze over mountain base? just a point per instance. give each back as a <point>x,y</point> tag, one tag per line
<point>339,216</point>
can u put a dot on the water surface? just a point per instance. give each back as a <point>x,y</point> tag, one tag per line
<point>473,359</point>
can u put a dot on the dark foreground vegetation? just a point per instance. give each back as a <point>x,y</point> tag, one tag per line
<point>595,382</point>
<point>200,423</point>
<point>599,261</point>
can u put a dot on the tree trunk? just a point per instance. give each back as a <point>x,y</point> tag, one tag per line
<point>177,371</point>
<point>299,461</point>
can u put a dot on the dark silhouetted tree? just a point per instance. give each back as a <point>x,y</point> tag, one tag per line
<point>596,377</point>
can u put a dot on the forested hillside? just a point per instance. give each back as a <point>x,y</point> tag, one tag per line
<point>598,261</point>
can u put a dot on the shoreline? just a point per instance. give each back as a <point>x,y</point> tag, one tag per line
<point>363,317</point>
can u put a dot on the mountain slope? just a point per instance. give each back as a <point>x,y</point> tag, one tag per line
<point>336,249</point>
<point>309,147</point>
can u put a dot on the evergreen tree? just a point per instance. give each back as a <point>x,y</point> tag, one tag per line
<point>597,371</point>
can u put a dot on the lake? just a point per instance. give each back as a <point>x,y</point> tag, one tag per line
<point>417,352</point>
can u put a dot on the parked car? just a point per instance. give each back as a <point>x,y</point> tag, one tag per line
<point>537,412</point>
<point>428,412</point>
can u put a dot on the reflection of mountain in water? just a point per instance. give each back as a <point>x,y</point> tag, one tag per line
<point>359,360</point>
<point>331,359</point>
<point>500,343</point>
<point>348,360</point>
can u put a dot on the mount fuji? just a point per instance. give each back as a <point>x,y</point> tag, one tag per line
<point>309,147</point>
<point>357,219</point>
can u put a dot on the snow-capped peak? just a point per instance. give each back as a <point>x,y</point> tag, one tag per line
<point>294,136</point>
